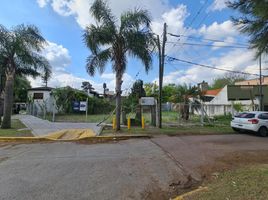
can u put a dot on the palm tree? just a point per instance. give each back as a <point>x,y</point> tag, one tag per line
<point>113,41</point>
<point>19,55</point>
<point>253,22</point>
<point>184,93</point>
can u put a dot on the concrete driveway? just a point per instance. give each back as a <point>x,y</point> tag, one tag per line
<point>155,168</point>
<point>42,127</point>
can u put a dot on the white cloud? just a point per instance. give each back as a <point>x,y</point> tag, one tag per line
<point>62,7</point>
<point>59,58</point>
<point>57,55</point>
<point>42,3</point>
<point>226,42</point>
<point>237,60</point>
<point>219,30</point>
<point>218,5</point>
<point>80,8</point>
<point>175,19</point>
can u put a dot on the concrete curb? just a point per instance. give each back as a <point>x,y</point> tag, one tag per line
<point>93,138</point>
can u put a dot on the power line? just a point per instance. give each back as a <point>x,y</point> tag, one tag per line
<point>208,66</point>
<point>175,67</point>
<point>208,39</point>
<point>198,13</point>
<point>207,45</point>
<point>195,17</point>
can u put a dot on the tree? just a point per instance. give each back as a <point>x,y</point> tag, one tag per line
<point>19,55</point>
<point>21,86</point>
<point>151,90</point>
<point>65,97</point>
<point>131,103</point>
<point>253,22</point>
<point>227,79</point>
<point>112,40</point>
<point>87,87</point>
<point>185,93</point>
<point>104,86</point>
<point>45,77</point>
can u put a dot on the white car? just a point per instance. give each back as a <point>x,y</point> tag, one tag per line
<point>256,121</point>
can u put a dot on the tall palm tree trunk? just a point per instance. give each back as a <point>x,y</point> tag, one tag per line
<point>118,84</point>
<point>8,98</point>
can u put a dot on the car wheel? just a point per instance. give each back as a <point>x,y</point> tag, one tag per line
<point>236,130</point>
<point>263,132</point>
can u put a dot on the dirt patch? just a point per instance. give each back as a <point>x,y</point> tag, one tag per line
<point>232,161</point>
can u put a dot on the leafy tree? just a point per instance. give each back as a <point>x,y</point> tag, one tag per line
<point>185,93</point>
<point>253,22</point>
<point>112,40</point>
<point>227,79</point>
<point>19,55</point>
<point>45,77</point>
<point>65,96</point>
<point>21,86</point>
<point>170,93</point>
<point>87,87</point>
<point>131,103</point>
<point>137,89</point>
<point>151,90</point>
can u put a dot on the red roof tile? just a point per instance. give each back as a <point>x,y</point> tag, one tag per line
<point>212,92</point>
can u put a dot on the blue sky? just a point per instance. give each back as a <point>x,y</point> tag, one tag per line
<point>62,23</point>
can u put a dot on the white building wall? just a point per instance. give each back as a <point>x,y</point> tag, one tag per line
<point>220,104</point>
<point>39,104</point>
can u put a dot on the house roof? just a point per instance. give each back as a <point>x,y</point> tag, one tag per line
<point>214,92</point>
<point>41,89</point>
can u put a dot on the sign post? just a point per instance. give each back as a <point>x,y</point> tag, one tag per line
<point>83,106</point>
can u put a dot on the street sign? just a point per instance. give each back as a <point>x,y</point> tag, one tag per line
<point>83,106</point>
<point>76,106</point>
<point>147,101</point>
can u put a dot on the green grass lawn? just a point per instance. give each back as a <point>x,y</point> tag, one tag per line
<point>167,117</point>
<point>14,130</point>
<point>242,184</point>
<point>80,118</point>
<point>181,130</point>
<point>221,124</point>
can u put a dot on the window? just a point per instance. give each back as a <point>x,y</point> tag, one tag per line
<point>38,95</point>
<point>263,116</point>
<point>245,115</point>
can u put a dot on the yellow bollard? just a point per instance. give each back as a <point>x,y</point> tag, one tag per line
<point>142,122</point>
<point>114,123</point>
<point>128,123</point>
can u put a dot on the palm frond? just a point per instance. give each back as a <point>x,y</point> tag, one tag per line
<point>102,13</point>
<point>139,45</point>
<point>95,36</point>
<point>135,19</point>
<point>253,22</point>
<point>98,61</point>
<point>29,36</point>
<point>27,71</point>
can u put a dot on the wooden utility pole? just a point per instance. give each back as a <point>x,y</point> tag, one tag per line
<point>261,95</point>
<point>161,71</point>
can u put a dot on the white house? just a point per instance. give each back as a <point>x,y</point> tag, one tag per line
<point>217,102</point>
<point>40,100</point>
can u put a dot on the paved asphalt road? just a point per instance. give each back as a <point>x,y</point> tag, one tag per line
<point>132,169</point>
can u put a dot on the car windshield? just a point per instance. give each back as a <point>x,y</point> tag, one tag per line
<point>245,115</point>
